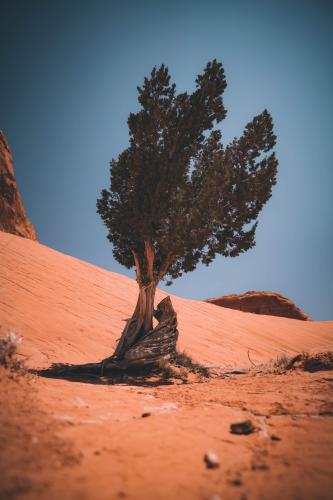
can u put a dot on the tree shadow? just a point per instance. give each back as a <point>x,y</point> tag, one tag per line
<point>92,374</point>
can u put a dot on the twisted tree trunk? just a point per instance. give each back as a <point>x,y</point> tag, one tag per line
<point>158,342</point>
<point>140,343</point>
<point>140,323</point>
<point>139,346</point>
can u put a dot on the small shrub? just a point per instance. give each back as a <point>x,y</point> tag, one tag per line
<point>183,373</point>
<point>9,343</point>
<point>305,361</point>
<point>276,366</point>
<point>282,362</point>
<point>183,360</point>
<point>166,369</point>
<point>317,362</point>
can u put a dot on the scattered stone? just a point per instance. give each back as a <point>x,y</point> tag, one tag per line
<point>236,482</point>
<point>274,437</point>
<point>146,414</point>
<point>212,460</point>
<point>245,427</point>
<point>260,467</point>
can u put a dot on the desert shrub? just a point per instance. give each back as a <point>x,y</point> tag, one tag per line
<point>179,365</point>
<point>277,366</point>
<point>183,360</point>
<point>305,361</point>
<point>317,362</point>
<point>282,362</point>
<point>9,343</point>
<point>166,369</point>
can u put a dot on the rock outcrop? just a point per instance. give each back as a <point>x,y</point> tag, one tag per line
<point>271,303</point>
<point>13,218</point>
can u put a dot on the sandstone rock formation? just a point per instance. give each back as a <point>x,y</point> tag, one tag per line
<point>13,218</point>
<point>271,303</point>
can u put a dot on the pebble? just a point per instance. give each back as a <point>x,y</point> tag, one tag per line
<point>146,414</point>
<point>212,460</point>
<point>245,427</point>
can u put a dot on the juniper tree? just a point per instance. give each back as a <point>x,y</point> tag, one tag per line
<point>179,197</point>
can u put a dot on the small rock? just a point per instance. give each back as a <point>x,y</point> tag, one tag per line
<point>146,414</point>
<point>274,437</point>
<point>260,467</point>
<point>212,460</point>
<point>236,482</point>
<point>245,427</point>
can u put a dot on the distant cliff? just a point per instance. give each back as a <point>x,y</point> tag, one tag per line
<point>271,303</point>
<point>13,218</point>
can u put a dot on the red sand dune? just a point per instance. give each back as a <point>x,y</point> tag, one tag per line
<point>70,311</point>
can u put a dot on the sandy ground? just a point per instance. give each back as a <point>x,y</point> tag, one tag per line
<point>88,440</point>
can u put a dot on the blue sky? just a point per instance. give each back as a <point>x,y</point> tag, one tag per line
<point>69,71</point>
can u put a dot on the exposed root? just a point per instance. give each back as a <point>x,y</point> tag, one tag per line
<point>176,366</point>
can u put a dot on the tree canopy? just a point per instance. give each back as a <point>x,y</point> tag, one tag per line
<point>177,195</point>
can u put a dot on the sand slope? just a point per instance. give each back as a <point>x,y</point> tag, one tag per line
<point>85,439</point>
<point>70,311</point>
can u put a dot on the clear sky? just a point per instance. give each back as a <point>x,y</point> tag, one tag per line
<point>68,76</point>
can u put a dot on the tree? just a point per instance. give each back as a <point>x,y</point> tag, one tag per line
<point>178,197</point>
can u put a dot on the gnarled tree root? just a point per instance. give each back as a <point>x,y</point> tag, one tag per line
<point>148,349</point>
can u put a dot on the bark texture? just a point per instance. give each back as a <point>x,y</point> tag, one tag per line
<point>138,347</point>
<point>141,321</point>
<point>140,344</point>
<point>159,342</point>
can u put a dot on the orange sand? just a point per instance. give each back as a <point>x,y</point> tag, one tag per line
<point>70,311</point>
<point>73,312</point>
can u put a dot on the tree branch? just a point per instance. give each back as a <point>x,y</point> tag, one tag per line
<point>137,267</point>
<point>164,268</point>
<point>150,256</point>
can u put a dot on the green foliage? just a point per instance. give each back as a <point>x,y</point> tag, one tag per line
<point>176,185</point>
